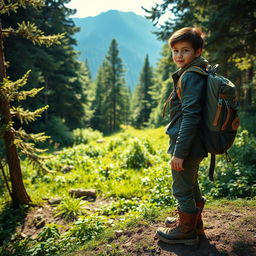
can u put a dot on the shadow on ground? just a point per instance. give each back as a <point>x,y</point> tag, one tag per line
<point>204,248</point>
<point>10,219</point>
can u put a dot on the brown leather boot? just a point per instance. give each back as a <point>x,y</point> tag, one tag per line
<point>170,221</point>
<point>184,232</point>
<point>200,225</point>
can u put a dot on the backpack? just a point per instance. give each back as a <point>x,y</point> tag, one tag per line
<point>220,117</point>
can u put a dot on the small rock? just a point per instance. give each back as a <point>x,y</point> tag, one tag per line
<point>54,200</point>
<point>127,244</point>
<point>100,141</point>
<point>67,168</point>
<point>140,231</point>
<point>39,210</point>
<point>90,199</point>
<point>38,217</point>
<point>118,233</point>
<point>79,192</point>
<point>40,224</point>
<point>23,235</point>
<point>111,221</point>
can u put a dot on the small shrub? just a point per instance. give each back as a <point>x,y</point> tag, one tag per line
<point>49,231</point>
<point>58,131</point>
<point>136,156</point>
<point>148,211</point>
<point>87,228</point>
<point>84,136</point>
<point>235,179</point>
<point>120,207</point>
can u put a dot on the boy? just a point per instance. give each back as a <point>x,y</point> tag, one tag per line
<point>184,130</point>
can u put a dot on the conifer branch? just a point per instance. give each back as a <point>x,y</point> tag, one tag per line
<point>25,115</point>
<point>38,137</point>
<point>30,31</point>
<point>24,94</point>
<point>6,8</point>
<point>8,87</point>
<point>33,3</point>
<point>29,150</point>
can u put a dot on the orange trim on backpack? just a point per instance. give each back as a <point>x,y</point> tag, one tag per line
<point>227,119</point>
<point>235,123</point>
<point>217,115</point>
<point>223,96</point>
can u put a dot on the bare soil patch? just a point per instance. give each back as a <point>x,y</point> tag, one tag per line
<point>229,231</point>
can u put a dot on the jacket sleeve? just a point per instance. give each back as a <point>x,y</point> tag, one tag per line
<point>191,105</point>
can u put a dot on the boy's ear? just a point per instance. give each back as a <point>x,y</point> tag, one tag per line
<point>199,52</point>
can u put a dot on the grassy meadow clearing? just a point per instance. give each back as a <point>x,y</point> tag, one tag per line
<point>130,174</point>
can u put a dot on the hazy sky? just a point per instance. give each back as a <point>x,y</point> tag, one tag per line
<point>87,8</point>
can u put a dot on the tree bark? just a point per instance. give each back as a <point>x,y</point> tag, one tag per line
<point>19,194</point>
<point>248,90</point>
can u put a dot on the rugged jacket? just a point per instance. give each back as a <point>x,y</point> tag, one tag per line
<point>185,128</point>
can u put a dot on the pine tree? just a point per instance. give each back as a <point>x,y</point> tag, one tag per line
<point>97,120</point>
<point>111,104</point>
<point>9,92</point>
<point>56,68</point>
<point>142,100</point>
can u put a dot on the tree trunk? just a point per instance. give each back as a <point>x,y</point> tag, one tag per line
<point>46,99</point>
<point>248,90</point>
<point>19,194</point>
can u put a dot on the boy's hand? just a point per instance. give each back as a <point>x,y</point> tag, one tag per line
<point>176,164</point>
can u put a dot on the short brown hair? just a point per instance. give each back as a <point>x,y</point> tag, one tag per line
<point>193,35</point>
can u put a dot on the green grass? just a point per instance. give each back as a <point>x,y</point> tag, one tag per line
<point>130,173</point>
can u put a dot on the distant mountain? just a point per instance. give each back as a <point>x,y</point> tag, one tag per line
<point>133,34</point>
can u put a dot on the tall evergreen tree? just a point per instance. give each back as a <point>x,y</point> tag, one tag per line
<point>9,92</point>
<point>97,120</point>
<point>55,68</point>
<point>142,99</point>
<point>110,104</point>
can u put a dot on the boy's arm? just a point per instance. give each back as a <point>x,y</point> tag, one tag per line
<point>191,97</point>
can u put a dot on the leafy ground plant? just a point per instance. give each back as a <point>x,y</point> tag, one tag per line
<point>70,208</point>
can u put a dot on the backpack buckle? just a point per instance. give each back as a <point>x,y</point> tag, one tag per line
<point>213,69</point>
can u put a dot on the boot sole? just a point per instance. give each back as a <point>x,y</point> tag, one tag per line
<point>184,241</point>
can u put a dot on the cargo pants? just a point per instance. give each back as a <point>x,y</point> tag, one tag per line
<point>185,185</point>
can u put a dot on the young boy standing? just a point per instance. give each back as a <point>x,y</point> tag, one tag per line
<point>185,132</point>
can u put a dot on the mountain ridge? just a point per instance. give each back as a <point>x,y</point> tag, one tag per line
<point>133,34</point>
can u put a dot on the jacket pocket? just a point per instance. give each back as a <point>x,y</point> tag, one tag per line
<point>172,129</point>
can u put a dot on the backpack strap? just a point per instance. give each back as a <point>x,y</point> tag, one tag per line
<point>178,90</point>
<point>190,69</point>
<point>166,102</point>
<point>212,167</point>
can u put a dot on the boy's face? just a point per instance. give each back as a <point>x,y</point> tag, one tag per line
<point>183,53</point>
